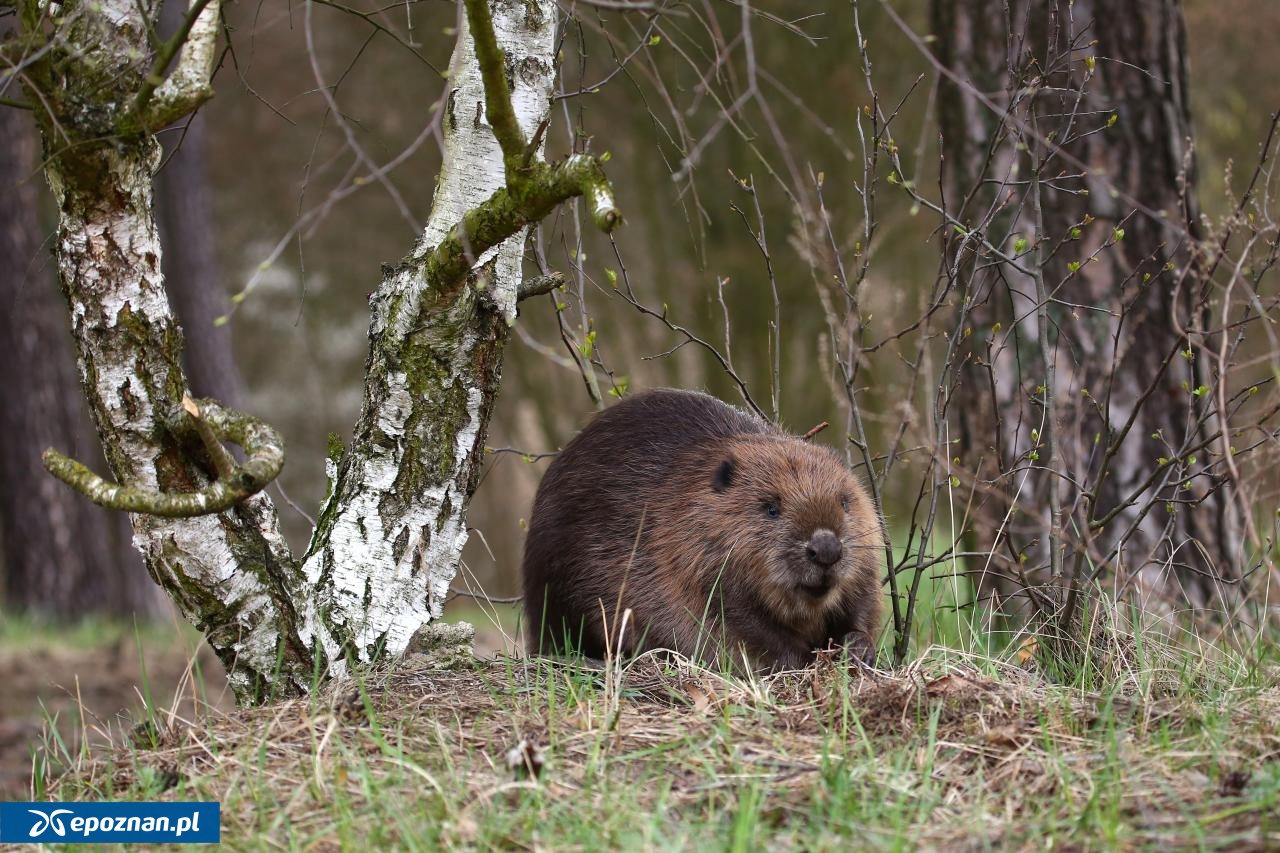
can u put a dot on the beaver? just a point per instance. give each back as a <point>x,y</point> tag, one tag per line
<point>719,532</point>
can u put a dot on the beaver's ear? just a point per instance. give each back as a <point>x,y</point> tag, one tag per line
<point>723,477</point>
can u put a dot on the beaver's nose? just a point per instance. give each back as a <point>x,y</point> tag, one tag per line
<point>824,548</point>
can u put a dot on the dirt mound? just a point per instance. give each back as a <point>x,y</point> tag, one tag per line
<point>544,754</point>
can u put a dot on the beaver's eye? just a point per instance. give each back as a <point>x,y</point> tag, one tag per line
<point>772,509</point>
<point>844,502</point>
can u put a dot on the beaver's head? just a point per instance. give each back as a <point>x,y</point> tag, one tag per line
<point>790,519</point>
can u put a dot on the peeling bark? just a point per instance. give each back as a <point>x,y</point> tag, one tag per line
<point>392,531</point>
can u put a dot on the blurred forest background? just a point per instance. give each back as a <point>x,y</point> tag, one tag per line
<point>296,244</point>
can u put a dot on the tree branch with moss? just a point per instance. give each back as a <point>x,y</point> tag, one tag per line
<point>511,208</point>
<point>391,534</point>
<point>213,424</point>
<point>162,99</point>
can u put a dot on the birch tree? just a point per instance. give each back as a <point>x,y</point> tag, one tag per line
<point>392,527</point>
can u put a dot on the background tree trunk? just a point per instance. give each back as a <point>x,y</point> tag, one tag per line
<point>62,556</point>
<point>193,277</point>
<point>1084,405</point>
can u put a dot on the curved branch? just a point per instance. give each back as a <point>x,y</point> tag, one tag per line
<point>163,100</point>
<point>508,210</point>
<point>263,448</point>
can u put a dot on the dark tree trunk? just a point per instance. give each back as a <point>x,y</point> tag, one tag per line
<point>1084,405</point>
<point>193,278</point>
<point>62,556</point>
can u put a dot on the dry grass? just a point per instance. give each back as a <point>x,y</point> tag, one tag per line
<point>954,752</point>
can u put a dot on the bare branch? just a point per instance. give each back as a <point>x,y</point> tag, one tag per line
<point>163,100</point>
<point>539,285</point>
<point>814,430</point>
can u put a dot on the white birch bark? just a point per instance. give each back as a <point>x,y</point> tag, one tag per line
<point>393,528</point>
<point>228,573</point>
<point>391,532</point>
<point>100,255</point>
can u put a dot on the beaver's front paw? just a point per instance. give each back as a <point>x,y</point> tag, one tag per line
<point>860,650</point>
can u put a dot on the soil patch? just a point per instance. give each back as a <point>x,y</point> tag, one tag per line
<point>91,694</point>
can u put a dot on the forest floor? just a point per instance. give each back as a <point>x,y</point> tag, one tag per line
<point>64,687</point>
<point>68,688</point>
<point>1148,747</point>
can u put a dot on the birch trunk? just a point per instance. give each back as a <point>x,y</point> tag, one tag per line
<point>392,529</point>
<point>231,574</point>
<point>1080,405</point>
<point>391,533</point>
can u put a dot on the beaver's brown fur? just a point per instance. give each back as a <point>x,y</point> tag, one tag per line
<point>718,532</point>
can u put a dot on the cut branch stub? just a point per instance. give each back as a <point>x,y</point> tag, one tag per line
<point>527,289</point>
<point>223,462</point>
<point>539,285</point>
<point>263,448</point>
